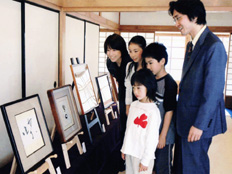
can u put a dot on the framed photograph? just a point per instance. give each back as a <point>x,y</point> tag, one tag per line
<point>104,90</point>
<point>28,132</point>
<point>64,111</point>
<point>87,100</point>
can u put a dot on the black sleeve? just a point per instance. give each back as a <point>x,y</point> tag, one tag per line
<point>111,67</point>
<point>170,94</point>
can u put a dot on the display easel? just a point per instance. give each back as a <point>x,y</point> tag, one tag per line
<point>89,125</point>
<point>45,166</point>
<point>114,91</point>
<point>94,121</point>
<point>66,146</point>
<point>107,111</point>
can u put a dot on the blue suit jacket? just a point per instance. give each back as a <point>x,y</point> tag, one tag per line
<point>201,102</point>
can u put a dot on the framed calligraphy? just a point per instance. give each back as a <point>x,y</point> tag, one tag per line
<point>84,88</point>
<point>104,90</point>
<point>64,111</point>
<point>28,132</point>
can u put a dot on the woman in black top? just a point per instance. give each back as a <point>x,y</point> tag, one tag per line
<point>117,59</point>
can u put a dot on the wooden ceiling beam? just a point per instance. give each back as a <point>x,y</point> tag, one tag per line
<point>96,19</point>
<point>46,4</point>
<point>135,6</point>
<point>152,28</point>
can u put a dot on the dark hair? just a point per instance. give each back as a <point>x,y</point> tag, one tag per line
<point>141,42</point>
<point>116,42</point>
<point>157,51</point>
<point>191,8</point>
<point>146,78</point>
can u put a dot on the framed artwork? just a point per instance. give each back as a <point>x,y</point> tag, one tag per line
<point>64,111</point>
<point>87,100</point>
<point>28,132</point>
<point>114,88</point>
<point>104,90</point>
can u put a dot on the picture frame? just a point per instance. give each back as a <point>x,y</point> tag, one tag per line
<point>27,130</point>
<point>87,100</point>
<point>104,90</point>
<point>65,112</point>
<point>114,88</point>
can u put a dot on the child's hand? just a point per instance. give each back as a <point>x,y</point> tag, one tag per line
<point>162,142</point>
<point>142,167</point>
<point>123,156</point>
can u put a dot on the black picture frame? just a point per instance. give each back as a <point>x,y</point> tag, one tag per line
<point>104,90</point>
<point>28,132</point>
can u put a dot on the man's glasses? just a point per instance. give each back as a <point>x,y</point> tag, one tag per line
<point>177,19</point>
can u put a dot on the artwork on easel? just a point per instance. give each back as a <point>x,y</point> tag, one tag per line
<point>114,88</point>
<point>66,117</point>
<point>87,101</point>
<point>64,111</point>
<point>84,88</point>
<point>28,132</point>
<point>104,90</point>
<point>105,95</point>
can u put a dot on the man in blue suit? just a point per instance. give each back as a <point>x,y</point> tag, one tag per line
<point>200,113</point>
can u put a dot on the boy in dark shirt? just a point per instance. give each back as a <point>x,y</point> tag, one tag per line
<point>155,56</point>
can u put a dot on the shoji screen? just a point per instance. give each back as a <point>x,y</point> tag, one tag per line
<point>41,54</point>
<point>74,44</point>
<point>10,66</point>
<point>91,50</point>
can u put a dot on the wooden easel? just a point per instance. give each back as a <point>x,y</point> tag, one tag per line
<point>107,111</point>
<point>66,146</point>
<point>14,163</point>
<point>92,123</point>
<point>114,91</point>
<point>46,166</point>
<point>89,125</point>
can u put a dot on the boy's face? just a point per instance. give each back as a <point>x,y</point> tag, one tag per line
<point>153,65</point>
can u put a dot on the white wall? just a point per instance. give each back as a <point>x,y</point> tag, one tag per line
<point>41,50</point>
<point>74,44</point>
<point>112,16</point>
<point>91,51</point>
<point>10,67</point>
<point>163,18</point>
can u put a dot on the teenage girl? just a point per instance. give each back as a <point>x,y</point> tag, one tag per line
<point>136,46</point>
<point>142,131</point>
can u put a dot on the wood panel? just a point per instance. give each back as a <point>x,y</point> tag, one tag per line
<point>152,28</point>
<point>137,5</point>
<point>91,17</point>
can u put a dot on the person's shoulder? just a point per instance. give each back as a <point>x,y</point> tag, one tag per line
<point>128,64</point>
<point>170,80</point>
<point>212,39</point>
<point>134,103</point>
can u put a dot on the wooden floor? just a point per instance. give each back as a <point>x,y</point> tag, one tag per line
<point>220,152</point>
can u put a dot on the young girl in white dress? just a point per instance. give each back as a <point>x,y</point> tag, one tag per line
<point>142,130</point>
